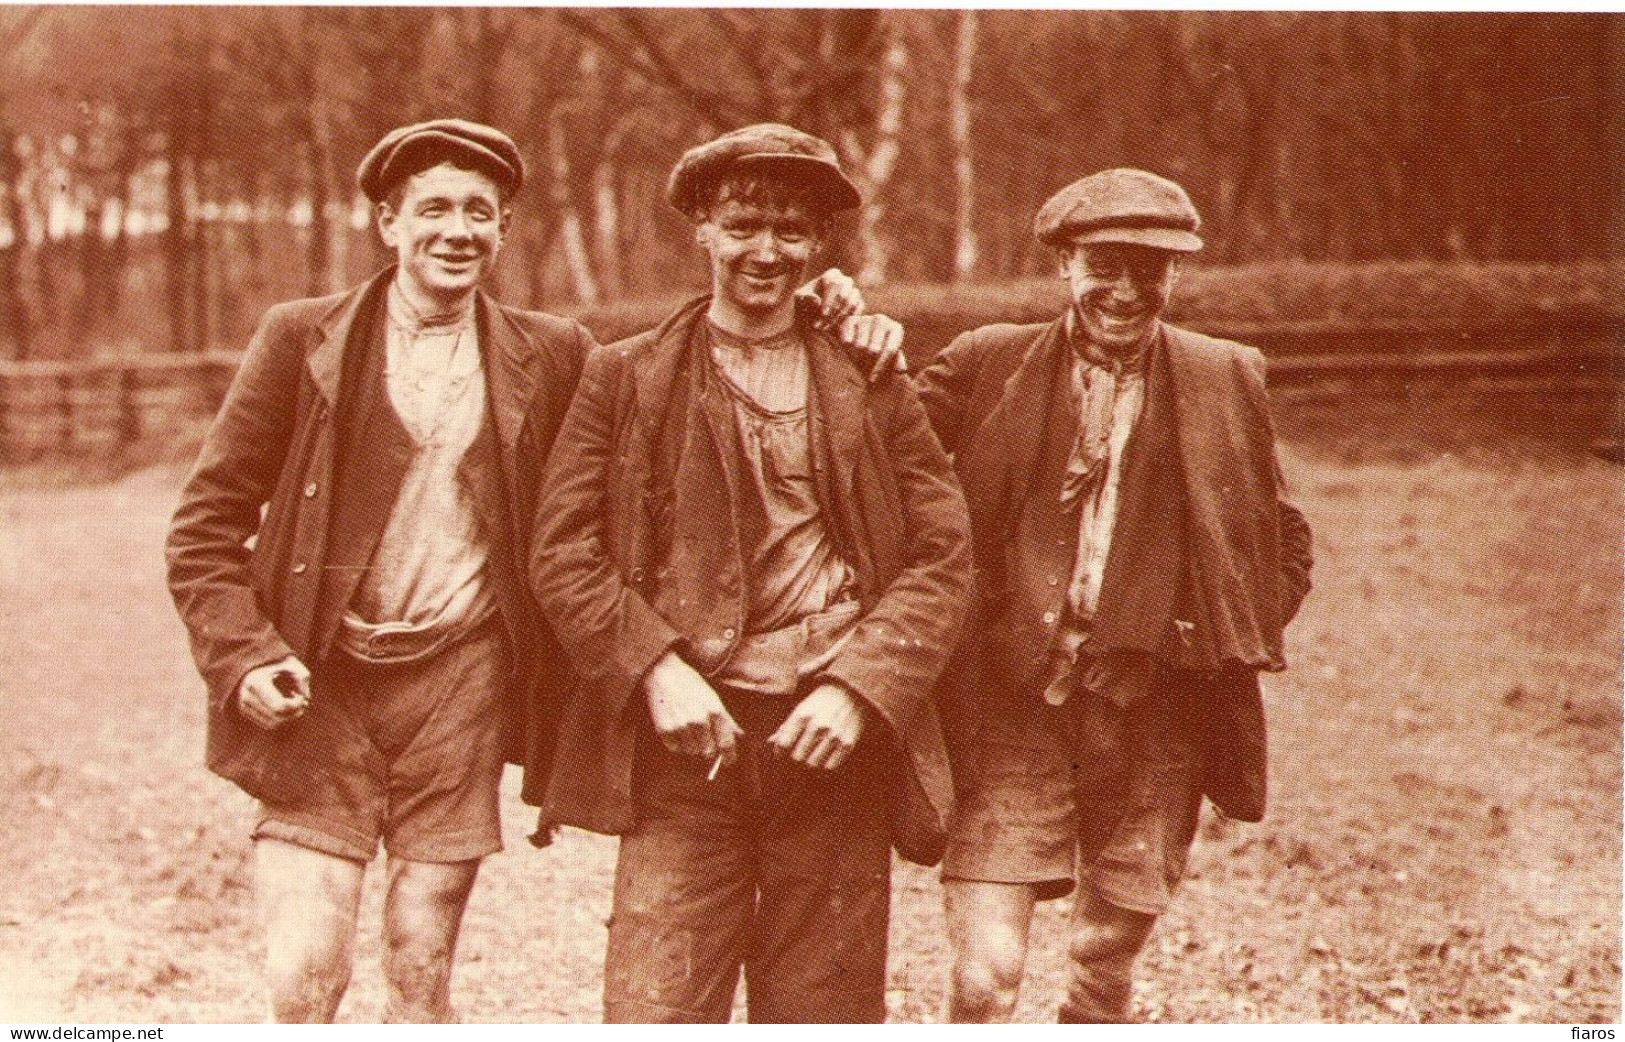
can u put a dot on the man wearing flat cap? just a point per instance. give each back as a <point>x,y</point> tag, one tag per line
<point>759,560</point>
<point>1137,562</point>
<point>369,645</point>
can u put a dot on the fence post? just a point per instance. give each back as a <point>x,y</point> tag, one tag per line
<point>129,415</point>
<point>64,385</point>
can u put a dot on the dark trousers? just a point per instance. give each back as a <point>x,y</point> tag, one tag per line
<point>773,868</point>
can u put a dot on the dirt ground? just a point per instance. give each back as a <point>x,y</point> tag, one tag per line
<point>1444,841</point>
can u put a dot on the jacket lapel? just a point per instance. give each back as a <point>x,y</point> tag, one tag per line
<point>326,358</point>
<point>508,383</point>
<point>657,372</point>
<point>1007,444</point>
<point>837,422</point>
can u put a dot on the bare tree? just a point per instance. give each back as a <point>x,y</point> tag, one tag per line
<point>965,255</point>
<point>13,309</point>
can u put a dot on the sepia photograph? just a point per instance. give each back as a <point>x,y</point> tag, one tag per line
<point>811,515</point>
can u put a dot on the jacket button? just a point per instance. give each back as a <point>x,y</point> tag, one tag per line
<point>299,569</point>
<point>310,490</point>
<point>1054,581</point>
<point>1049,618</point>
<point>636,575</point>
<point>728,634</point>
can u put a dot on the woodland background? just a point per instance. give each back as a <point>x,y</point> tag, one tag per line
<point>166,173</point>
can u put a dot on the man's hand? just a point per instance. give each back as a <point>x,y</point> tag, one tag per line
<point>686,711</point>
<point>838,296</point>
<point>876,342</point>
<point>823,729</point>
<point>270,696</point>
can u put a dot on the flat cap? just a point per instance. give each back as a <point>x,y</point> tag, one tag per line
<point>808,162</point>
<point>1121,205</point>
<point>405,151</point>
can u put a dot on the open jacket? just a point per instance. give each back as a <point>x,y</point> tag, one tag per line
<point>1209,588</point>
<point>605,526</point>
<point>251,591</point>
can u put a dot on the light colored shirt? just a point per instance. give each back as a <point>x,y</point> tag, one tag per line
<point>426,579</point>
<point>794,569</point>
<point>1097,517</point>
<point>1111,397</point>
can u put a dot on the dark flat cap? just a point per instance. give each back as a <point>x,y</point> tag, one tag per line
<point>1122,205</point>
<point>405,151</point>
<point>808,162</point>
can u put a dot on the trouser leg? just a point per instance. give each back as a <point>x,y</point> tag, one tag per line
<point>423,915</point>
<point>684,895</point>
<point>988,925</point>
<point>823,910</point>
<point>308,902</point>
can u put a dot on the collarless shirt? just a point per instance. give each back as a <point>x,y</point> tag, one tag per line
<point>794,569</point>
<point>425,581</point>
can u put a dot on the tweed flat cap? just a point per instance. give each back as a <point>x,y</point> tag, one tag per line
<point>806,161</point>
<point>408,150</point>
<point>1122,205</point>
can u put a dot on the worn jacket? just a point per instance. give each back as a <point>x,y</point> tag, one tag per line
<point>600,560</point>
<point>1204,441</point>
<point>251,590</point>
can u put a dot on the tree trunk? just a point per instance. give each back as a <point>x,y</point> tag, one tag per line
<point>321,274</point>
<point>880,162</point>
<point>118,252</point>
<point>13,308</point>
<point>175,234</point>
<point>319,249</point>
<point>93,273</point>
<point>607,233</point>
<point>606,209</point>
<point>959,120</point>
<point>202,233</point>
<point>577,258</point>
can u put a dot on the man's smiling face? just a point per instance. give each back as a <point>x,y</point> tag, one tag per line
<point>445,230</point>
<point>1118,290</point>
<point>759,252</point>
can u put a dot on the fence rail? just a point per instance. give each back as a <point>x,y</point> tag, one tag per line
<point>60,406</point>
<point>69,407</point>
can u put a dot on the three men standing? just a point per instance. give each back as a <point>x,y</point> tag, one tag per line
<point>1137,562</point>
<point>760,563</point>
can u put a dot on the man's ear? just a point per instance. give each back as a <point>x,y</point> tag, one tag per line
<point>504,221</point>
<point>384,217</point>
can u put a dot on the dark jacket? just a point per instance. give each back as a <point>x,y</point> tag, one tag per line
<point>1208,588</point>
<point>600,562</point>
<point>253,591</point>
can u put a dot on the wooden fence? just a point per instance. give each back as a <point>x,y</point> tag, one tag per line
<point>51,408</point>
<point>65,407</point>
